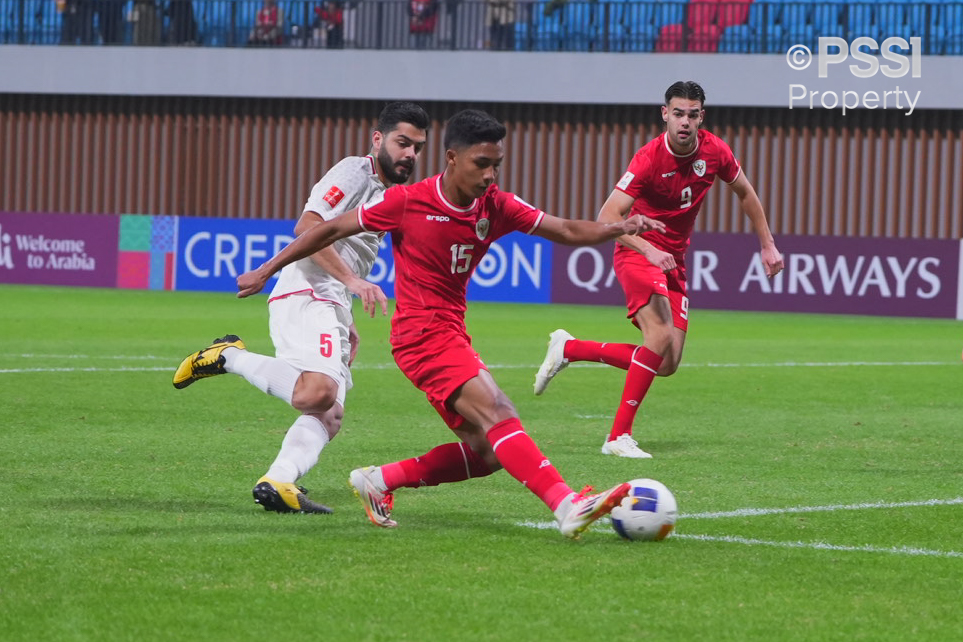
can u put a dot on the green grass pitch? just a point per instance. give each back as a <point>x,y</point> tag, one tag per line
<point>817,461</point>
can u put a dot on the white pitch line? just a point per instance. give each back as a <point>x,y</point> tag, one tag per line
<point>125,357</point>
<point>751,512</point>
<point>603,525</point>
<point>822,546</point>
<point>121,369</point>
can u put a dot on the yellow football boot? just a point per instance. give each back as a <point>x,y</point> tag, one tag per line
<point>208,362</point>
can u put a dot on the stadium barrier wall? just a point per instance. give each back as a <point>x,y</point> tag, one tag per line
<point>869,173</point>
<point>873,276</point>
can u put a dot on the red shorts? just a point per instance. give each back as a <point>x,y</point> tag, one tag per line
<point>434,351</point>
<point>640,280</point>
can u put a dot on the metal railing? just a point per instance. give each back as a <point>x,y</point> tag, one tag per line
<point>728,26</point>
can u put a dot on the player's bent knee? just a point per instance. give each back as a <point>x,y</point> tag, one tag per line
<point>315,398</point>
<point>668,368</point>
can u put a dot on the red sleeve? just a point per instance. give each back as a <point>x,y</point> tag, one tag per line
<point>728,165</point>
<point>520,216</point>
<point>633,180</point>
<point>384,214</point>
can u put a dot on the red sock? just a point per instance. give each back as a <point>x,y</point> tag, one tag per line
<point>645,364</point>
<point>519,455</point>
<point>443,464</point>
<point>613,354</point>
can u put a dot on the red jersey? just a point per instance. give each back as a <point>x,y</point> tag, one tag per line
<point>436,244</point>
<point>670,188</point>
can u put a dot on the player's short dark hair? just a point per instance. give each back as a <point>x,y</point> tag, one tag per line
<point>687,89</point>
<point>470,127</point>
<point>402,112</point>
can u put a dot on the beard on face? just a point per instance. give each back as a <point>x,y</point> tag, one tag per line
<point>395,173</point>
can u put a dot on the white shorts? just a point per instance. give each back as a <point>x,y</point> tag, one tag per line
<point>312,336</point>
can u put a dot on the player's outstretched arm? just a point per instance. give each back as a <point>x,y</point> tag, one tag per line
<point>306,244</point>
<point>568,232</point>
<point>330,261</point>
<point>749,201</point>
<point>372,297</point>
<point>616,207</point>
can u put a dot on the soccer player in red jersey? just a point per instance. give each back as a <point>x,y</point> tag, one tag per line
<point>667,181</point>
<point>441,228</point>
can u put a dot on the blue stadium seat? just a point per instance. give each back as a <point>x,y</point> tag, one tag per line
<point>641,37</point>
<point>547,29</point>
<point>861,18</point>
<point>612,30</point>
<point>639,14</point>
<point>935,40</point>
<point>213,22</point>
<point>41,21</point>
<point>669,12</point>
<point>802,34</point>
<point>921,14</point>
<point>890,17</point>
<point>770,39</point>
<point>523,32</point>
<point>827,14</point>
<point>765,12</point>
<point>736,39</point>
<point>610,15</point>
<point>795,14</point>
<point>580,29</point>
<point>951,15</point>
<point>953,43</point>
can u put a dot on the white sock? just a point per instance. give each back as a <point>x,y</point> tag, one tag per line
<point>300,450</point>
<point>378,478</point>
<point>562,509</point>
<point>269,374</point>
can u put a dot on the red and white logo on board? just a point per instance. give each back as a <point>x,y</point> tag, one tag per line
<point>334,196</point>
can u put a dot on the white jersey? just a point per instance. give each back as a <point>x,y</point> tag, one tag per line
<point>352,182</point>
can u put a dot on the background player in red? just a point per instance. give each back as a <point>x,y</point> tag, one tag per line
<point>666,180</point>
<point>441,228</point>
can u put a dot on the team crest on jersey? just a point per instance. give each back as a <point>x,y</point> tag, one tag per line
<point>481,228</point>
<point>699,167</point>
<point>334,196</point>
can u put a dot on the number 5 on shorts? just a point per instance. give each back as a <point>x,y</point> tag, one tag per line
<point>327,345</point>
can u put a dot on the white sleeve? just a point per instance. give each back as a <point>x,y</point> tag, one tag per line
<point>341,189</point>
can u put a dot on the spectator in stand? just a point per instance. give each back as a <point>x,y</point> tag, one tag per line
<point>268,28</point>
<point>183,27</point>
<point>331,23</point>
<point>78,21</point>
<point>500,20</point>
<point>423,19</point>
<point>146,22</point>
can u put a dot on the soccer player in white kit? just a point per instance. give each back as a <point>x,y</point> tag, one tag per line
<point>310,311</point>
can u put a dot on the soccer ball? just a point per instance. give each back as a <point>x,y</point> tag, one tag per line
<point>647,513</point>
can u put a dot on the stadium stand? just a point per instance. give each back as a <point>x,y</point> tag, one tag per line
<point>727,26</point>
